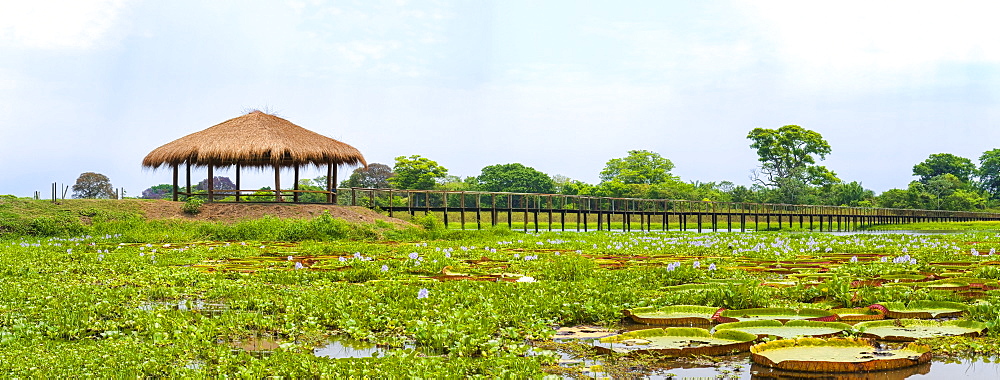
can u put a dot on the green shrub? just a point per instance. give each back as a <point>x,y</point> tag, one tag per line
<point>193,206</point>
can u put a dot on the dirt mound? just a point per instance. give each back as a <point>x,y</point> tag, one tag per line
<point>231,212</point>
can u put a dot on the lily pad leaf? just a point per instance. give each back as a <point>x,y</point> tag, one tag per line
<point>677,341</point>
<point>835,355</point>
<point>791,329</point>
<point>680,315</point>
<point>908,330</point>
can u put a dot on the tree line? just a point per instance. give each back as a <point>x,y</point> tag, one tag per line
<point>788,172</point>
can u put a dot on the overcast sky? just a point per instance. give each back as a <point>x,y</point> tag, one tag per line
<point>561,86</point>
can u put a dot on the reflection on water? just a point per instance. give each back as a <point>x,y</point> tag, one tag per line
<point>347,348</point>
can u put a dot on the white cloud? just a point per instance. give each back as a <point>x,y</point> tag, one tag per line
<point>57,24</point>
<point>828,42</point>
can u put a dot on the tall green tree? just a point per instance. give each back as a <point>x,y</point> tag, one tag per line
<point>790,152</point>
<point>375,176</point>
<point>639,167</point>
<point>93,185</point>
<point>989,172</point>
<point>416,172</point>
<point>945,163</point>
<point>514,178</point>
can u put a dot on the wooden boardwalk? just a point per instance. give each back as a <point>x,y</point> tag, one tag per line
<point>550,212</point>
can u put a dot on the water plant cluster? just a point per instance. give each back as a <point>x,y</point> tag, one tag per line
<point>172,298</point>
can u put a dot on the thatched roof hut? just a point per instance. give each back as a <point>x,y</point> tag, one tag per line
<point>258,140</point>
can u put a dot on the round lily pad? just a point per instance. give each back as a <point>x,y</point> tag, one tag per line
<point>835,355</point>
<point>924,309</point>
<point>680,315</point>
<point>791,329</point>
<point>677,341</point>
<point>781,314</point>
<point>908,330</point>
<point>859,314</point>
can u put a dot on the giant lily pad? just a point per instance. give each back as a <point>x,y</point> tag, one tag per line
<point>859,314</point>
<point>835,355</point>
<point>903,277</point>
<point>908,330</point>
<point>781,314</point>
<point>680,315</point>
<point>924,309</point>
<point>678,341</point>
<point>948,284</point>
<point>790,329</point>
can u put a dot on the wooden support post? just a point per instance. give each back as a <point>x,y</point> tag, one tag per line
<point>391,203</point>
<point>510,211</point>
<point>536,212</point>
<point>562,213</point>
<point>187,177</point>
<point>550,212</point>
<point>524,199</point>
<point>461,211</point>
<point>334,186</point>
<point>211,182</point>
<point>479,224</point>
<point>329,184</point>
<point>295,187</point>
<point>175,186</point>
<point>238,188</point>
<point>277,183</point>
<point>444,199</point>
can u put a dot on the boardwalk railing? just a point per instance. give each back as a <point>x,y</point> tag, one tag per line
<point>554,211</point>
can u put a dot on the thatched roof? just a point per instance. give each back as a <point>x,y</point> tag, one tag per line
<point>256,139</point>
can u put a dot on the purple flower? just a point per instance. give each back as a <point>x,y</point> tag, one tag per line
<point>298,265</point>
<point>423,293</point>
<point>711,266</point>
<point>385,268</point>
<point>854,259</point>
<point>697,264</point>
<point>414,256</point>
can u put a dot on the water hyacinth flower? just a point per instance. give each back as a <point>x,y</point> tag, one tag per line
<point>974,252</point>
<point>100,257</point>
<point>854,259</point>
<point>289,257</point>
<point>385,268</point>
<point>447,254</point>
<point>711,266</point>
<point>884,259</point>
<point>696,265</point>
<point>342,259</point>
<point>423,293</point>
<point>913,261</point>
<point>414,256</point>
<point>298,265</point>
